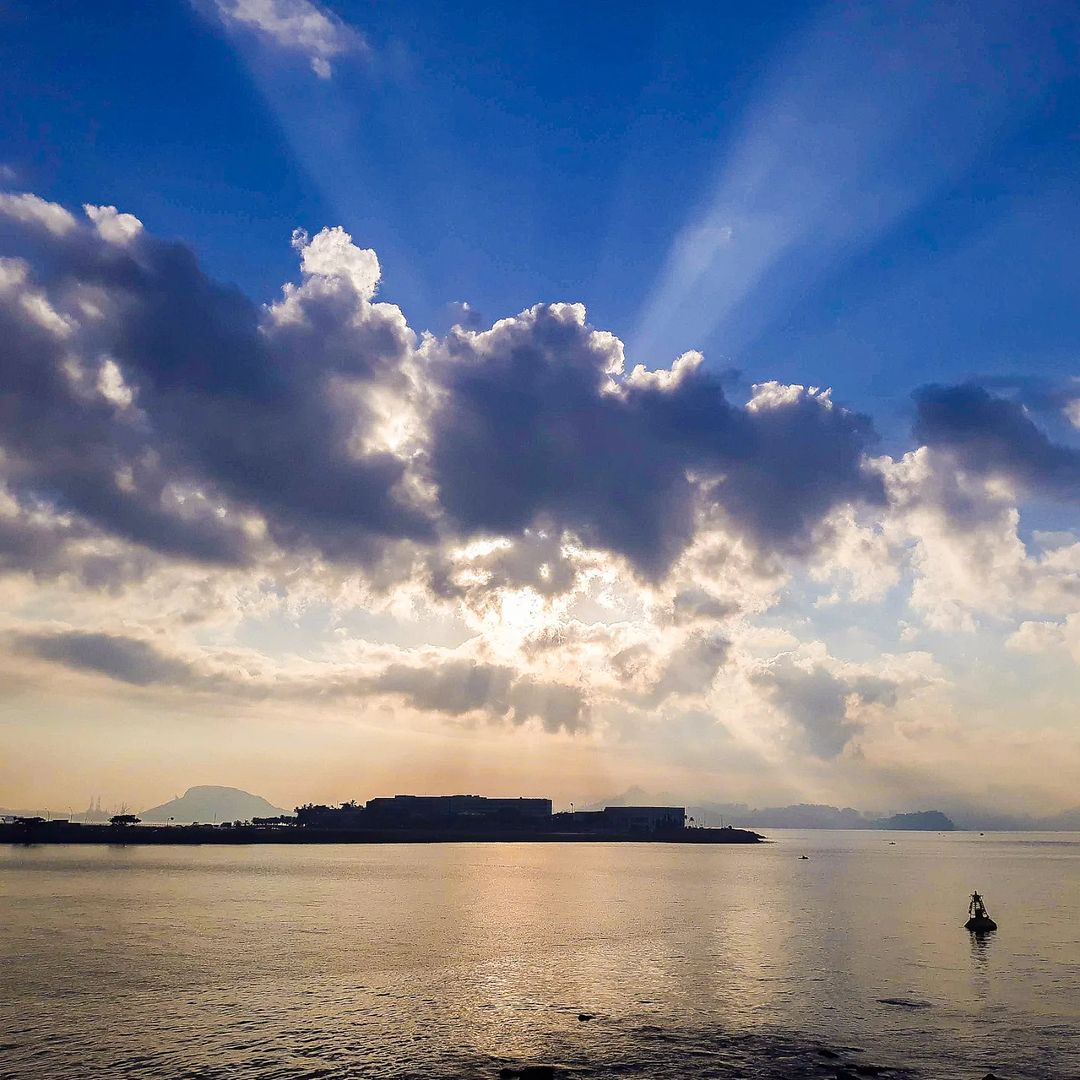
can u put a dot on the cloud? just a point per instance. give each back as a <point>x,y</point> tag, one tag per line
<point>166,409</point>
<point>537,427</point>
<point>297,25</point>
<point>699,605</point>
<point>821,703</point>
<point>306,503</point>
<point>958,532</point>
<point>443,684</point>
<point>454,687</point>
<point>33,210</point>
<point>995,436</point>
<point>125,659</point>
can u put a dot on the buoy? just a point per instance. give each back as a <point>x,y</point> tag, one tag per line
<point>979,920</point>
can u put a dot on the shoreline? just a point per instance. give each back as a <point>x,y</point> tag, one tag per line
<point>67,833</point>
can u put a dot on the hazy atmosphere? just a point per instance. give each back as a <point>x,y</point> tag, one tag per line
<point>540,404</point>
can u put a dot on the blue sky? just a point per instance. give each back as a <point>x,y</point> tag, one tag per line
<point>223,499</point>
<point>555,152</point>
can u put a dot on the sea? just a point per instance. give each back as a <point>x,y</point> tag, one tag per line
<point>594,960</point>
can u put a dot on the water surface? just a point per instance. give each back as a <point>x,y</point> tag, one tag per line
<point>456,960</point>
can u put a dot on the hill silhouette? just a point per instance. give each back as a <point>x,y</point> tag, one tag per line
<point>207,803</point>
<point>920,820</point>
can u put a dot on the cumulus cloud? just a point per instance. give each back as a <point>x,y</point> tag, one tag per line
<point>169,410</point>
<point>989,435</point>
<point>183,470</point>
<point>297,25</point>
<point>959,530</point>
<point>538,424</point>
<point>33,210</point>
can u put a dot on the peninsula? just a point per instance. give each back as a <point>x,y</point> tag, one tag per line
<point>401,819</point>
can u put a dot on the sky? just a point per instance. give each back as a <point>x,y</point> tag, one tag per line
<point>551,401</point>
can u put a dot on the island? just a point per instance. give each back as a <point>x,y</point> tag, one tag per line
<point>399,819</point>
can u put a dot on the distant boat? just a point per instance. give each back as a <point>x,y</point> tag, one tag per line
<point>978,919</point>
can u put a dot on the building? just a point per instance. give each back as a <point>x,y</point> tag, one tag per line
<point>346,816</point>
<point>623,820</point>
<point>442,808</point>
<point>643,818</point>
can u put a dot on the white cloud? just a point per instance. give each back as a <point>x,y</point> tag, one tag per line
<point>332,254</point>
<point>34,210</point>
<point>113,226</point>
<point>964,548</point>
<point>299,25</point>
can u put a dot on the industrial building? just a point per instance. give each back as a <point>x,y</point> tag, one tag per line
<point>644,818</point>
<point>441,808</point>
<point>464,812</point>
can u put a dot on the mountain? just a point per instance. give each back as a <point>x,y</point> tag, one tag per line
<point>800,816</point>
<point>921,820</point>
<point>807,816</point>
<point>209,804</point>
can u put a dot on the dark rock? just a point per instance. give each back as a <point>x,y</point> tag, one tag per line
<point>586,1016</point>
<point>990,1076</point>
<point>845,1074</point>
<point>537,1072</point>
<point>825,1052</point>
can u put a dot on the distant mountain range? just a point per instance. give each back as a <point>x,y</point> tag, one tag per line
<point>820,816</point>
<point>208,804</point>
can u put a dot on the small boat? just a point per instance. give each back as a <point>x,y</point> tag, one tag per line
<point>978,919</point>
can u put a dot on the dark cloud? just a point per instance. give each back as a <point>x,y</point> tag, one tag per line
<point>50,549</point>
<point>535,559</point>
<point>817,701</point>
<point>554,704</point>
<point>692,668</point>
<point>994,436</point>
<point>453,686</point>
<point>1040,393</point>
<point>535,427</point>
<point>168,410</point>
<point>698,605</point>
<point>253,412</point>
<point>125,659</point>
<point>460,686</point>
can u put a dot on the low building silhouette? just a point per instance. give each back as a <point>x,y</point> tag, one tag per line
<point>644,818</point>
<point>442,808</point>
<point>462,811</point>
<point>401,811</point>
<point>638,820</point>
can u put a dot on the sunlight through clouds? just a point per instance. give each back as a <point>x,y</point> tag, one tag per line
<point>822,166</point>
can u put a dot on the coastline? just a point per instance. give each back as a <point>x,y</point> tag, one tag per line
<point>69,833</point>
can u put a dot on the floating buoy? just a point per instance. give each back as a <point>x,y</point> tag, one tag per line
<point>979,920</point>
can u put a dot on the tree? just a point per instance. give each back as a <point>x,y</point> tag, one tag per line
<point>123,819</point>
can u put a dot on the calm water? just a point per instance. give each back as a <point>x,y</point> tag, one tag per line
<point>458,960</point>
